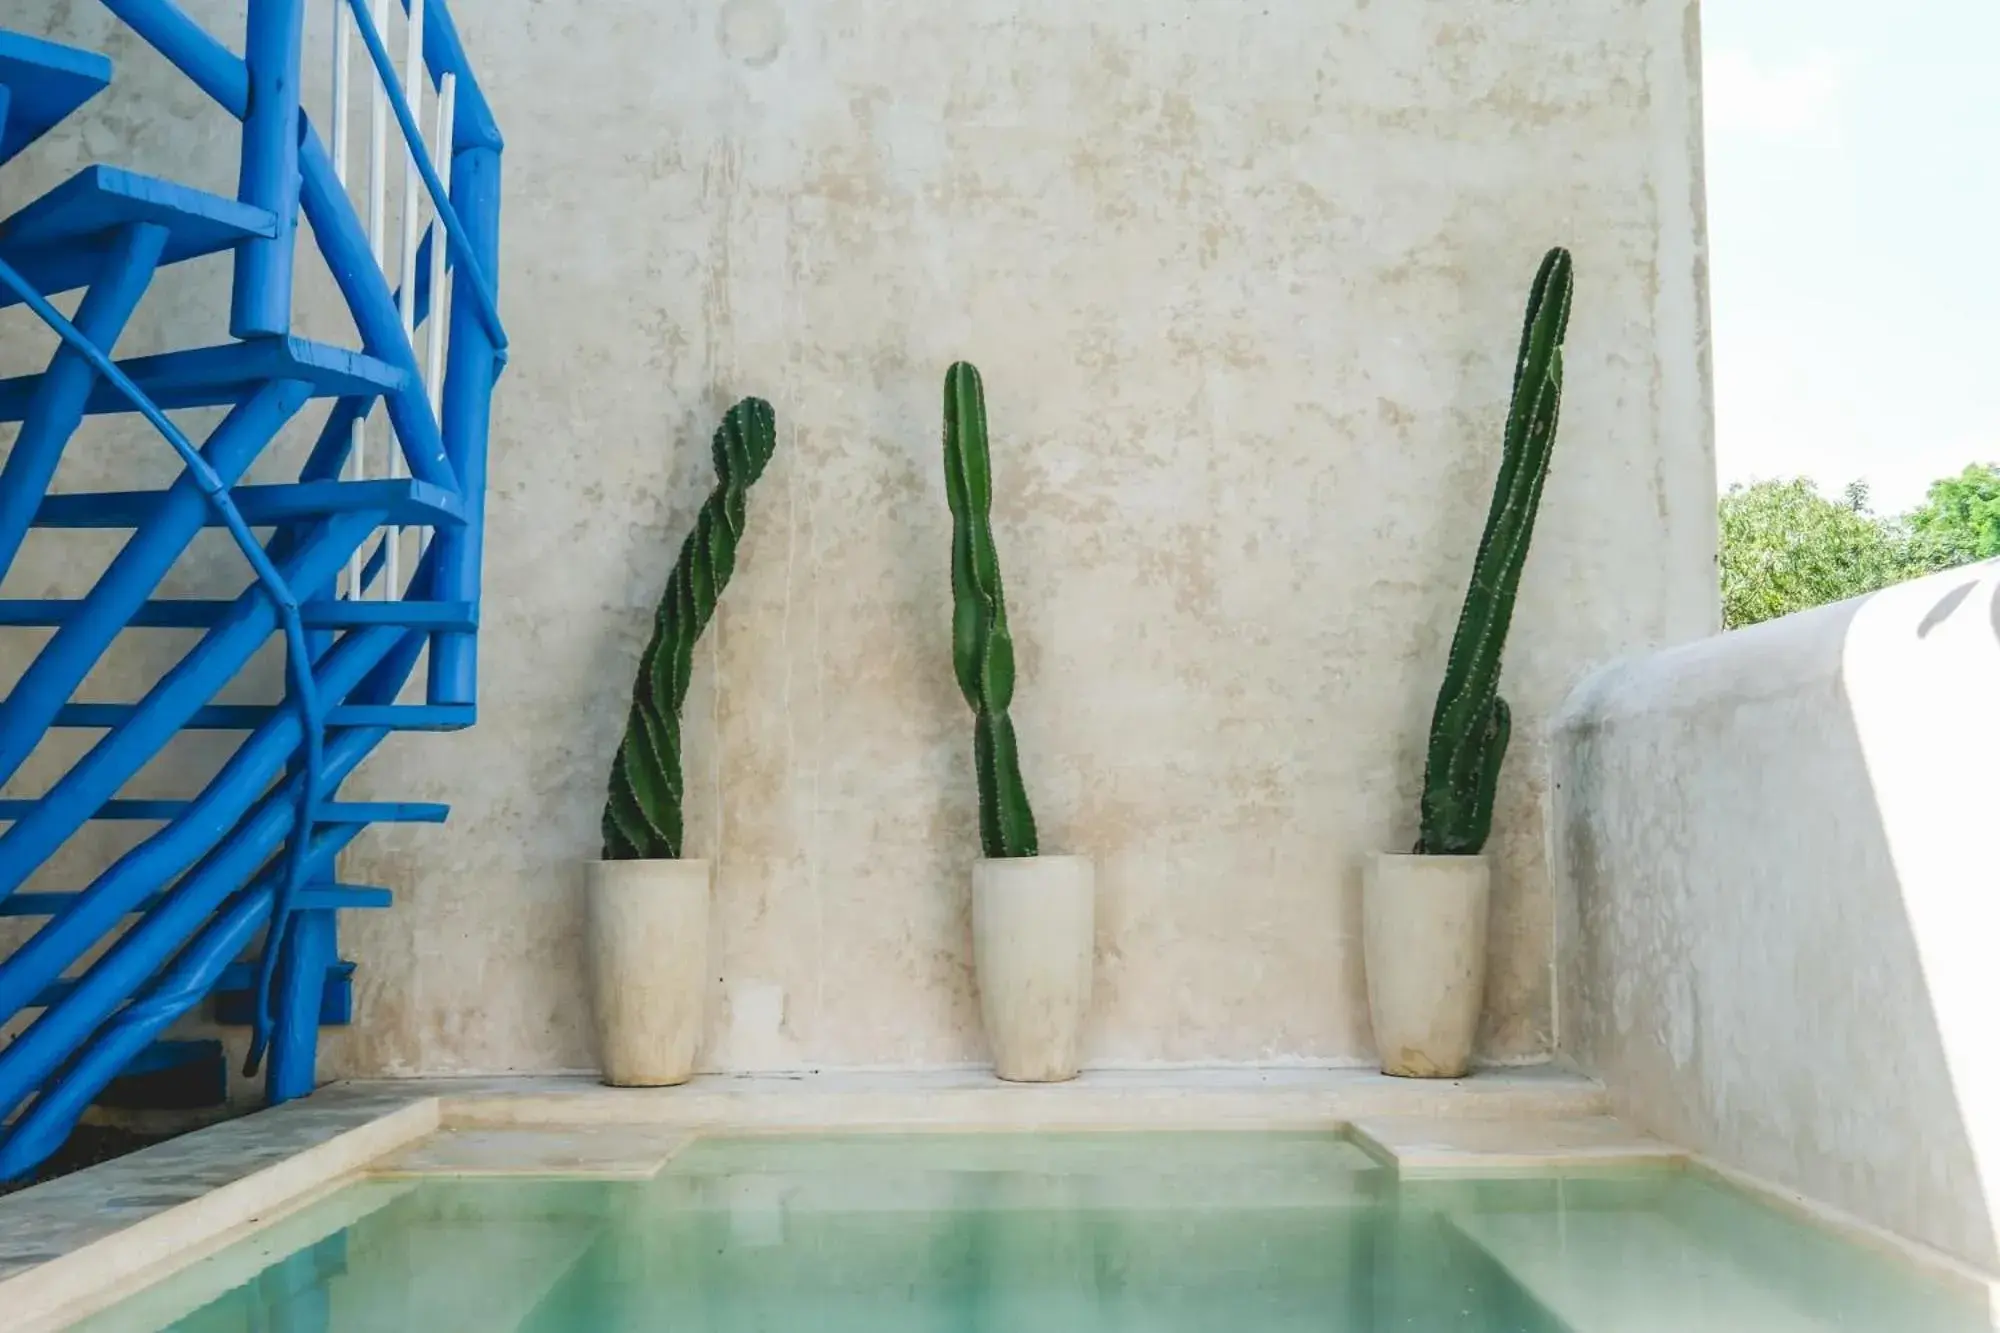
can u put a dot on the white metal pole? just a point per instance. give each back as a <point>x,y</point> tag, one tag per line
<point>440,312</point>
<point>378,183</point>
<point>440,308</point>
<point>343,92</point>
<point>414,79</point>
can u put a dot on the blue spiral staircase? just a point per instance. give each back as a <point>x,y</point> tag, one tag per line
<point>232,896</point>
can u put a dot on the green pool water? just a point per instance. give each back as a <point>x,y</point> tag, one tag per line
<point>1133,1233</point>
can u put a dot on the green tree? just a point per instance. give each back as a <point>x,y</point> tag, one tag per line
<point>1959,521</point>
<point>1786,548</point>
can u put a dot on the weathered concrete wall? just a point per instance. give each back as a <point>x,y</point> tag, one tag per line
<point>1781,901</point>
<point>1245,285</point>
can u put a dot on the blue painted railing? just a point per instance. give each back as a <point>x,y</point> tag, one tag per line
<point>254,849</point>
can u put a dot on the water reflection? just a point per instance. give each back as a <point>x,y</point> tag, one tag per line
<point>1056,1234</point>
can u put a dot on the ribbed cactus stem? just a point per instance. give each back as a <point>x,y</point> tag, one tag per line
<point>642,816</point>
<point>1472,724</point>
<point>982,649</point>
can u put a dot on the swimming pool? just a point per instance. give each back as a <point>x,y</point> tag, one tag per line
<point>1065,1233</point>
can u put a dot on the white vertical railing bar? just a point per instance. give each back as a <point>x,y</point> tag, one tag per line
<point>439,315</point>
<point>434,361</point>
<point>378,187</point>
<point>414,78</point>
<point>343,90</point>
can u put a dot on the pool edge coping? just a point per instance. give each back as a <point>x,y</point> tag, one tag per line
<point>104,1269</point>
<point>1937,1264</point>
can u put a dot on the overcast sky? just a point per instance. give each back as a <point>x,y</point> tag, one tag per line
<point>1854,218</point>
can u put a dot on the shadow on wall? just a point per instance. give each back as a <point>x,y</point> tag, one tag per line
<point>1780,902</point>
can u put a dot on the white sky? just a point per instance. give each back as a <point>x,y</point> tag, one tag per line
<point>1854,221</point>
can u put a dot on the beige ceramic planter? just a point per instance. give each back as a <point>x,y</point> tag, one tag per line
<point>646,942</point>
<point>1034,931</point>
<point>1424,946</point>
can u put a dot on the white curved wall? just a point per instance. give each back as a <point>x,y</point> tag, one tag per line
<point>1780,861</point>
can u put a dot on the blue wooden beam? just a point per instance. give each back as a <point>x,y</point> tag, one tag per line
<point>200,613</point>
<point>344,245</point>
<point>473,125</point>
<point>243,717</point>
<point>213,67</point>
<point>472,366</point>
<point>234,1003</point>
<point>268,178</point>
<point>59,395</point>
<point>306,953</point>
<point>72,1051</point>
<point>403,502</point>
<point>60,241</point>
<point>332,897</point>
<point>225,855</point>
<point>74,649</point>
<point>238,810</point>
<point>224,375</point>
<point>472,279</point>
<point>47,82</point>
<point>65,1027</point>
<point>330,812</point>
<point>142,729</point>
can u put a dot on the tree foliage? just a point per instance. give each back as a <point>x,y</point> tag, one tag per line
<point>1959,521</point>
<point>1786,547</point>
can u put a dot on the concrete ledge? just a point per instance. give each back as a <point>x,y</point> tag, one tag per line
<point>973,1099</point>
<point>595,1152</point>
<point>1420,1147</point>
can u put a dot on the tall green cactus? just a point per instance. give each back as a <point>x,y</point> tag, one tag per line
<point>982,649</point>
<point>642,816</point>
<point>1470,729</point>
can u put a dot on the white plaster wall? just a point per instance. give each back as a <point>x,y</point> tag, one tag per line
<point>1245,284</point>
<point>1780,901</point>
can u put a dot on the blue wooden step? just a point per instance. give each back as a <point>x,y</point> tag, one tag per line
<point>342,897</point>
<point>171,1075</point>
<point>197,613</point>
<point>330,812</point>
<point>234,1002</point>
<point>401,503</point>
<point>248,717</point>
<point>45,82</point>
<point>59,242</point>
<point>232,991</point>
<point>170,1055</point>
<point>222,376</point>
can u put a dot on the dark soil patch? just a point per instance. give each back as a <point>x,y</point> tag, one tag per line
<point>87,1146</point>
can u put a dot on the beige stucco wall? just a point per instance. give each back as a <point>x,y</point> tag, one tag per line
<point>1245,286</point>
<point>1780,901</point>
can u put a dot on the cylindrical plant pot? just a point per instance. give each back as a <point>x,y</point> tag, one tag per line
<point>646,948</point>
<point>1424,946</point>
<point>1034,932</point>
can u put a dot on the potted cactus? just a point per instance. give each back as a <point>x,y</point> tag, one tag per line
<point>1033,916</point>
<point>646,908</point>
<point>1424,915</point>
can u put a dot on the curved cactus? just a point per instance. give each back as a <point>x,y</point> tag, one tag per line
<point>1471,726</point>
<point>642,816</point>
<point>982,649</point>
